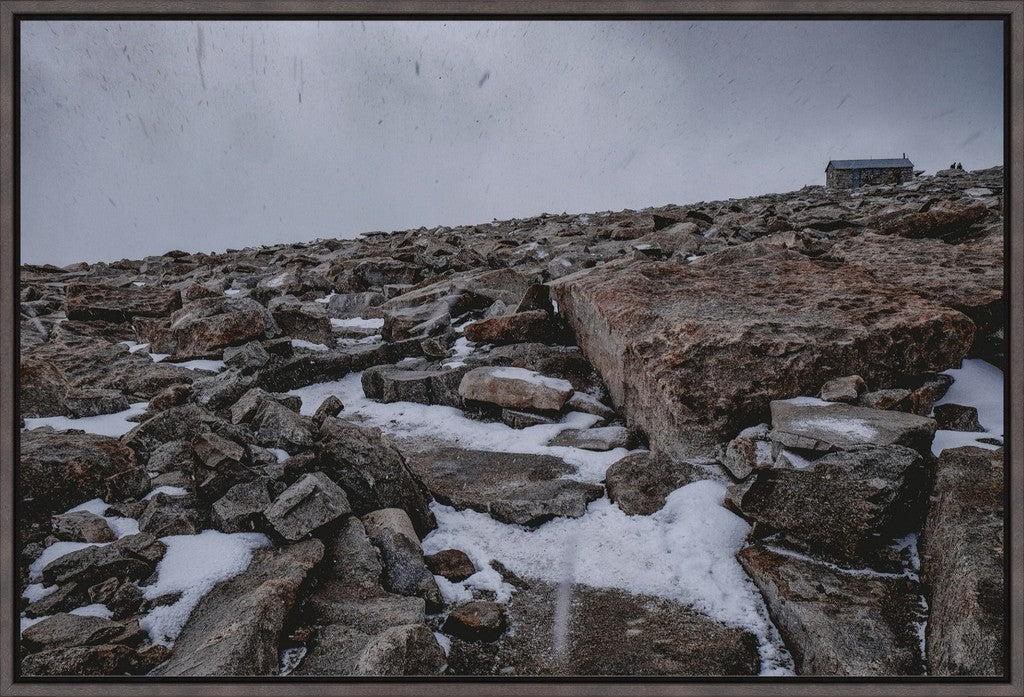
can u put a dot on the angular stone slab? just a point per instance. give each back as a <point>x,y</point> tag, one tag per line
<point>962,564</point>
<point>90,301</point>
<point>841,426</point>
<point>312,501</point>
<point>234,629</point>
<point>838,623</point>
<point>404,570</point>
<point>516,388</point>
<point>511,487</point>
<point>843,505</point>
<point>692,355</point>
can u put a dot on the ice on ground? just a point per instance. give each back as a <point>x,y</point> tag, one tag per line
<point>855,429</point>
<point>326,299</point>
<point>445,641</point>
<point>302,343</point>
<point>977,384</point>
<point>203,364</point>
<point>168,490</point>
<point>686,552</point>
<point>192,566</point>
<point>37,591</point>
<point>978,191</point>
<point>359,323</point>
<point>423,422</point>
<point>460,350</point>
<point>113,425</point>
<point>808,401</point>
<point>532,377</point>
<point>94,610</point>
<point>232,291</point>
<point>27,622</point>
<point>134,346</point>
<point>280,454</point>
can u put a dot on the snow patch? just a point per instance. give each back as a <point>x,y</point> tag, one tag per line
<point>302,343</point>
<point>113,425</point>
<point>358,323</point>
<point>192,566</point>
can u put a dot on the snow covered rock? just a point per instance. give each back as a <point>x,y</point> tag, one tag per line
<point>691,355</point>
<point>823,428</point>
<point>600,439</point>
<point>90,301</point>
<point>511,487</point>
<point>133,556</point>
<point>962,564</point>
<point>843,505</point>
<point>517,388</point>
<point>311,502</point>
<point>404,571</point>
<point>234,629</point>
<point>81,526</point>
<point>836,622</point>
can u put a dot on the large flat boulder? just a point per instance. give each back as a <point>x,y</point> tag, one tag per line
<point>835,622</point>
<point>511,487</point>
<point>516,388</point>
<point>962,564</point>
<point>836,426</point>
<point>967,276</point>
<point>234,630</point>
<point>94,301</point>
<point>60,469</point>
<point>208,325</point>
<point>694,354</point>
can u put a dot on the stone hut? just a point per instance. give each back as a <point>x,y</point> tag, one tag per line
<point>851,174</point>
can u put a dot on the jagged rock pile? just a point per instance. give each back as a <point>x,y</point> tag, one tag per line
<point>675,328</point>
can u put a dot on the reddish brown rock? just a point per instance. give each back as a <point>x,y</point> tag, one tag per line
<point>692,355</point>
<point>967,276</point>
<point>948,219</point>
<point>59,470</point>
<point>453,564</point>
<point>207,325</point>
<point>477,620</point>
<point>529,326</point>
<point>87,301</point>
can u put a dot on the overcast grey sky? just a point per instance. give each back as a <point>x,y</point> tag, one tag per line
<point>140,137</point>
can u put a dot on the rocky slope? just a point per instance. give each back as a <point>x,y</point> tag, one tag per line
<point>691,440</point>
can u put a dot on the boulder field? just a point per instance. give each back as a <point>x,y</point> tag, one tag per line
<point>730,438</point>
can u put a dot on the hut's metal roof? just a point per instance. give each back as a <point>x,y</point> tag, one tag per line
<point>870,164</point>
